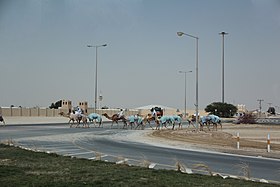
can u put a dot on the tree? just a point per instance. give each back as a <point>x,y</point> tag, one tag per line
<point>221,109</point>
<point>271,110</point>
<point>56,105</point>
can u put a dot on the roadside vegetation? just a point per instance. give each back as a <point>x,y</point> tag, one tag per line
<point>20,167</point>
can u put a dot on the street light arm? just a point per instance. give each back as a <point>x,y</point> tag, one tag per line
<point>182,33</point>
<point>185,71</point>
<point>104,45</point>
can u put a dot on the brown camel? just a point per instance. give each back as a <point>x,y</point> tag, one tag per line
<point>2,120</point>
<point>116,118</point>
<point>148,118</point>
<point>74,117</point>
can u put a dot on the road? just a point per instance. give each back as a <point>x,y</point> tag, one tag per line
<point>121,145</point>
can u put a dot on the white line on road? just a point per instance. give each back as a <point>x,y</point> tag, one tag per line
<point>82,153</point>
<point>93,158</point>
<point>152,165</point>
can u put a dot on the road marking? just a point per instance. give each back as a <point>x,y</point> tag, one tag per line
<point>122,161</point>
<point>152,165</point>
<point>93,158</point>
<point>80,153</point>
<point>64,150</point>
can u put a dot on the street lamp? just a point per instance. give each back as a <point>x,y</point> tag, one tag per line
<point>96,47</point>
<point>223,65</point>
<point>196,69</point>
<point>185,72</point>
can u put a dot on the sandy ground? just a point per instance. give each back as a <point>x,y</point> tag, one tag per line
<point>253,137</point>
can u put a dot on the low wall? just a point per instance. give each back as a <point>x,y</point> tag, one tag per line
<point>47,112</point>
<point>268,121</point>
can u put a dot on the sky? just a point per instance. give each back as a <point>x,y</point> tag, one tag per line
<point>44,55</point>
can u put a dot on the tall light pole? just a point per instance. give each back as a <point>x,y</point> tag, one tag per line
<point>260,105</point>
<point>196,70</point>
<point>185,72</point>
<point>223,65</point>
<point>96,47</point>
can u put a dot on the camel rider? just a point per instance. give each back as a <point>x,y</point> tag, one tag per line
<point>154,114</point>
<point>120,113</point>
<point>79,111</point>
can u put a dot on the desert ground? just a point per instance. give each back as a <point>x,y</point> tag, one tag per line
<point>252,138</point>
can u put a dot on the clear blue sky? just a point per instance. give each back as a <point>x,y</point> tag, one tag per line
<point>44,58</point>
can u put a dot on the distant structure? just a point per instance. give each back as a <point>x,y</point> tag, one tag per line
<point>241,108</point>
<point>66,104</point>
<point>84,106</point>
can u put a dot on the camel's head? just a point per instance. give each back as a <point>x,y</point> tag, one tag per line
<point>105,114</point>
<point>61,113</point>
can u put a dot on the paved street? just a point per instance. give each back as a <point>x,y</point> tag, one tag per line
<point>121,145</point>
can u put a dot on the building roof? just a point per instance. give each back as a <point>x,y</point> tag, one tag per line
<point>151,106</point>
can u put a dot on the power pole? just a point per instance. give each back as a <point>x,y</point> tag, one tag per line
<point>260,105</point>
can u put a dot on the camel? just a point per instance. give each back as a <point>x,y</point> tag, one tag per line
<point>210,119</point>
<point>178,119</point>
<point>165,120</point>
<point>135,119</point>
<point>115,118</point>
<point>2,120</point>
<point>74,117</point>
<point>140,122</point>
<point>148,118</point>
<point>215,120</point>
<point>93,117</point>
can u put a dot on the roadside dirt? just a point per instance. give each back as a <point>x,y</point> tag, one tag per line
<point>253,138</point>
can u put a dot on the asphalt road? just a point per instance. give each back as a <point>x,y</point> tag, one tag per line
<point>114,145</point>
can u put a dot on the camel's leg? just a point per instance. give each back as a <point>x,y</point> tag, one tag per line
<point>201,126</point>
<point>116,123</point>
<point>215,126</point>
<point>69,122</point>
<point>173,126</point>
<point>100,124</point>
<point>207,125</point>
<point>150,125</point>
<point>125,124</point>
<point>78,124</point>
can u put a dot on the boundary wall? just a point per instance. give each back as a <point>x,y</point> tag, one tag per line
<point>47,112</point>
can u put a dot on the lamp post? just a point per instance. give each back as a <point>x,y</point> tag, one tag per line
<point>196,70</point>
<point>185,72</point>
<point>223,65</point>
<point>96,47</point>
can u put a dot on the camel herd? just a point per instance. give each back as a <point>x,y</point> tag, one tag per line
<point>140,122</point>
<point>137,120</point>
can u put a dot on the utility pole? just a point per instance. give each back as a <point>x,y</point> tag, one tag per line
<point>223,65</point>
<point>260,105</point>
